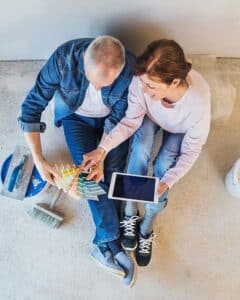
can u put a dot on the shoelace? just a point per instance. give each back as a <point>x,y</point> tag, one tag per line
<point>129,225</point>
<point>145,244</point>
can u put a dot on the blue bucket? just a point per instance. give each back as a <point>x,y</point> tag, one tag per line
<point>36,183</point>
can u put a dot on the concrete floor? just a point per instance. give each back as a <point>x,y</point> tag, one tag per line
<point>196,253</point>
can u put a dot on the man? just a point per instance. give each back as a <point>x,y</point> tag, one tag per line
<point>89,80</point>
<point>165,94</point>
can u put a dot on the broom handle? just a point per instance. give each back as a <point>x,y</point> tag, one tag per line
<point>56,197</point>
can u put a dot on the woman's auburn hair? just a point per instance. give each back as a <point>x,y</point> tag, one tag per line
<point>163,60</point>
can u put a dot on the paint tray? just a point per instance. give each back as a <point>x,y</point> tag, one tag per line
<point>19,174</point>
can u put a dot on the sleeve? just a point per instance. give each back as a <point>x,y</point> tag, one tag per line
<point>130,123</point>
<point>37,99</point>
<point>191,147</point>
<point>117,113</point>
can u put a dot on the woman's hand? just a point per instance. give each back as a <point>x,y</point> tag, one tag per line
<point>97,173</point>
<point>162,188</point>
<point>93,159</point>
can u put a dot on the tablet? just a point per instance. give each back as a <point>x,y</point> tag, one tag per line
<point>130,187</point>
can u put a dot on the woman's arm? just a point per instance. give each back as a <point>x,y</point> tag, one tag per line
<point>122,131</point>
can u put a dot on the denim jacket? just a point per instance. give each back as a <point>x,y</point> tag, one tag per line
<point>63,77</point>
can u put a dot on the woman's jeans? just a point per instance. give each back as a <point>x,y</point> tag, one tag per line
<point>166,158</point>
<point>83,135</point>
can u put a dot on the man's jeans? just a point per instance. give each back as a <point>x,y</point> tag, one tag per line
<point>83,135</point>
<point>166,158</point>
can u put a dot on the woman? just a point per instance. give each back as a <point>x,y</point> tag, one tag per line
<point>165,94</point>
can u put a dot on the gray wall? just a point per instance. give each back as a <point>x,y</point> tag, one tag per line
<point>32,29</point>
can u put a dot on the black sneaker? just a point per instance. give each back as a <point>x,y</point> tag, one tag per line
<point>144,249</point>
<point>129,232</point>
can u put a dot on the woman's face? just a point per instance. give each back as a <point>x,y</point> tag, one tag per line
<point>158,91</point>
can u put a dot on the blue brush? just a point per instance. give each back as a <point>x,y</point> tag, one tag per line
<point>16,175</point>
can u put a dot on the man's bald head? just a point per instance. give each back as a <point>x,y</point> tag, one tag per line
<point>104,59</point>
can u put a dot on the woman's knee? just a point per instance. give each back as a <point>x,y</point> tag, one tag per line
<point>140,153</point>
<point>156,208</point>
<point>163,163</point>
<point>160,168</point>
<point>138,161</point>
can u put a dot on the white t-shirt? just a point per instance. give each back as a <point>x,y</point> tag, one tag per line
<point>93,105</point>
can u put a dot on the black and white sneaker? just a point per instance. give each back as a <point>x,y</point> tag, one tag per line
<point>129,232</point>
<point>144,249</point>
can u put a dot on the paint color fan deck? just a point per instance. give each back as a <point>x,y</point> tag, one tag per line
<point>76,185</point>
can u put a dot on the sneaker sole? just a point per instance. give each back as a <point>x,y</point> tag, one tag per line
<point>142,266</point>
<point>117,273</point>
<point>129,249</point>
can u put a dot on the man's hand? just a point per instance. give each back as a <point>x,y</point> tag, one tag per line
<point>93,159</point>
<point>97,173</point>
<point>46,171</point>
<point>162,188</point>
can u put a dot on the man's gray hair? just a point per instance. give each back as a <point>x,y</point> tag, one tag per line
<point>107,51</point>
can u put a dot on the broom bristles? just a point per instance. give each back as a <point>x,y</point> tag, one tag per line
<point>43,213</point>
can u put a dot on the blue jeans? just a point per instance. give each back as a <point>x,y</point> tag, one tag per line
<point>83,135</point>
<point>166,158</point>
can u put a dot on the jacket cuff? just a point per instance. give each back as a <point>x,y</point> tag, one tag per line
<point>31,127</point>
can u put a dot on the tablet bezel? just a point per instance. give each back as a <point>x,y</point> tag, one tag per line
<point>112,185</point>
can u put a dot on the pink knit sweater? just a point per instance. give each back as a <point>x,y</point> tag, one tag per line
<point>190,115</point>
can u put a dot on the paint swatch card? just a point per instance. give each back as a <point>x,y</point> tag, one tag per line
<point>76,185</point>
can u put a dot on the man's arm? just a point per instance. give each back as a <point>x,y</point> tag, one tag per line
<point>36,101</point>
<point>44,168</point>
<point>39,96</point>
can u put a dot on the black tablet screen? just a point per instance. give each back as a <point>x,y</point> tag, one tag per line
<point>134,187</point>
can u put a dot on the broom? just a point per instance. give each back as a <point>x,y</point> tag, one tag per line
<point>47,213</point>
